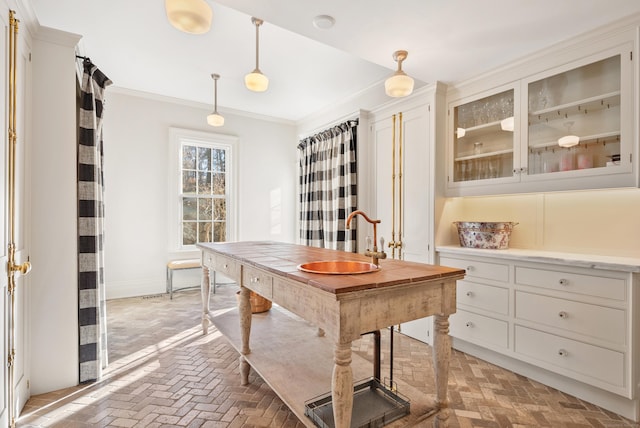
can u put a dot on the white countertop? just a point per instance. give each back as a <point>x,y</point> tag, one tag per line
<point>626,264</point>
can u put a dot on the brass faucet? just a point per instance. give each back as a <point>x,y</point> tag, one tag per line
<point>374,253</point>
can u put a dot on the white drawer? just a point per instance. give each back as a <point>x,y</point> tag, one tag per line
<point>479,329</point>
<point>592,283</point>
<point>595,321</point>
<point>258,280</point>
<point>478,269</point>
<point>487,297</point>
<point>571,357</point>
<point>228,267</point>
<point>209,260</point>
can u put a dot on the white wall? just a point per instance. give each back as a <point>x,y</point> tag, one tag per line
<point>52,166</point>
<point>136,136</point>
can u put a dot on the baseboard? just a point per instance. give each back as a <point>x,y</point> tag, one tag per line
<point>622,406</point>
<point>135,288</point>
<point>150,286</point>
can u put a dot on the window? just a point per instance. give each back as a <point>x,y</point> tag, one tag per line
<point>203,200</point>
<point>204,194</point>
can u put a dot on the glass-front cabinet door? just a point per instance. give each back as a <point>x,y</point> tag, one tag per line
<point>483,138</point>
<point>574,120</point>
<point>568,128</point>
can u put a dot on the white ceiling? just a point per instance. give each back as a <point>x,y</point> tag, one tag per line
<point>311,69</point>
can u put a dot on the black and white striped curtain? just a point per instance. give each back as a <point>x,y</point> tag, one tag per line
<point>91,288</point>
<point>328,187</point>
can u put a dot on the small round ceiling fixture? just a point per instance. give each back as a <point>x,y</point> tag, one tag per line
<point>323,22</point>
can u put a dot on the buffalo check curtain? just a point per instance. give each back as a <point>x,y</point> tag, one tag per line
<point>328,187</point>
<point>91,288</point>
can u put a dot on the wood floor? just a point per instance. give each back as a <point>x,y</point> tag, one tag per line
<point>164,373</point>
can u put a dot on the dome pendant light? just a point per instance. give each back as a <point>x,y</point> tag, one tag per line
<point>399,85</point>
<point>215,119</point>
<point>256,81</point>
<point>190,16</point>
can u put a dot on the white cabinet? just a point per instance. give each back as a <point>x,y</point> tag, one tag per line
<point>482,303</point>
<point>401,180</point>
<point>568,127</point>
<point>567,321</point>
<point>593,364</point>
<point>484,137</point>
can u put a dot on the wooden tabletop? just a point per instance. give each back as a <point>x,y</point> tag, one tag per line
<point>283,259</point>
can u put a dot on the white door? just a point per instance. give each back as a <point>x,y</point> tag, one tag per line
<point>402,185</point>
<point>4,372</point>
<point>15,380</point>
<point>21,380</point>
<point>383,135</point>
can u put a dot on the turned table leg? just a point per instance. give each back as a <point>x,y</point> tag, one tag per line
<point>342,385</point>
<point>441,356</point>
<point>244,307</point>
<point>205,292</point>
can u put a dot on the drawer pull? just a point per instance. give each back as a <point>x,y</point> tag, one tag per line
<point>469,324</point>
<point>563,353</point>
<point>563,315</point>
<point>225,266</point>
<point>469,293</point>
<point>563,282</point>
<point>255,280</point>
<point>470,268</point>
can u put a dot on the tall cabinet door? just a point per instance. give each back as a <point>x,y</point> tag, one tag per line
<point>4,295</point>
<point>21,390</point>
<point>402,180</point>
<point>415,185</point>
<point>15,69</point>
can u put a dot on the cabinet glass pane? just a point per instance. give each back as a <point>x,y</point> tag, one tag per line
<point>574,119</point>
<point>483,138</point>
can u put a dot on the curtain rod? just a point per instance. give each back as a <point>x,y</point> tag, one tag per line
<point>329,128</point>
<point>347,117</point>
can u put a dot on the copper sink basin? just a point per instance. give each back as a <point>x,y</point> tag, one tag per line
<point>338,267</point>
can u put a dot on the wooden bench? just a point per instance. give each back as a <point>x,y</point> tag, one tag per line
<point>174,265</point>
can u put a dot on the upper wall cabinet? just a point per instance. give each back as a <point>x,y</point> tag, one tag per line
<point>484,141</point>
<point>567,128</point>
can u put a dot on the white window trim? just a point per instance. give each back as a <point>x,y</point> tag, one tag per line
<point>176,136</point>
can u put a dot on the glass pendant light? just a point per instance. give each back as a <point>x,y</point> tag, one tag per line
<point>190,16</point>
<point>256,81</point>
<point>215,118</point>
<point>399,85</point>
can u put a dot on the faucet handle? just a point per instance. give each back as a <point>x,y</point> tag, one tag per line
<point>382,243</point>
<point>368,242</point>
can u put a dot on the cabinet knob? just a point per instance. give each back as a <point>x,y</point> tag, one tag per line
<point>563,282</point>
<point>563,315</point>
<point>255,280</point>
<point>469,293</point>
<point>224,266</point>
<point>562,353</point>
<point>470,268</point>
<point>469,324</point>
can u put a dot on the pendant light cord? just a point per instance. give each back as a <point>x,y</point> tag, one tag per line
<point>215,96</point>
<point>258,23</point>
<point>215,92</point>
<point>257,46</point>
